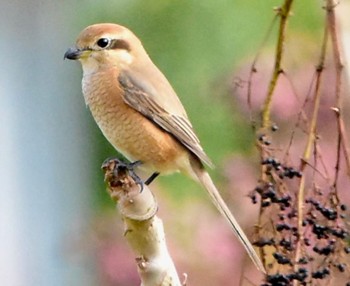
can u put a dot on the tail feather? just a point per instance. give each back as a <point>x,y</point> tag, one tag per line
<point>219,203</point>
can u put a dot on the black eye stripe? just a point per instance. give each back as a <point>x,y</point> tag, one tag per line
<point>119,44</point>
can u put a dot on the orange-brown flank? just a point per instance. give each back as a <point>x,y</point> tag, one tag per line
<point>126,129</point>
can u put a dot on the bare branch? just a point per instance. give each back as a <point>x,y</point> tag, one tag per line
<point>339,67</point>
<point>284,12</point>
<point>143,229</point>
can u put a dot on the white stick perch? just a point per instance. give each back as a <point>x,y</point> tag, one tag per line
<point>143,229</point>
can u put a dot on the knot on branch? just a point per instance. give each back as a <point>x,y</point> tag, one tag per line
<point>117,176</point>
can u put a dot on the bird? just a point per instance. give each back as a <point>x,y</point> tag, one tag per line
<point>140,114</point>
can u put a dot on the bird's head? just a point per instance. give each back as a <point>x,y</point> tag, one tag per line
<point>105,45</point>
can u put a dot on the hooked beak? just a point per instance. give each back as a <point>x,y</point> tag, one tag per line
<point>73,54</point>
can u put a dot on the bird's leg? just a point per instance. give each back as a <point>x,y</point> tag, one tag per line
<point>130,167</point>
<point>136,178</point>
<point>151,178</point>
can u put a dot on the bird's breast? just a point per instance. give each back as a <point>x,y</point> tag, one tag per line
<point>130,132</point>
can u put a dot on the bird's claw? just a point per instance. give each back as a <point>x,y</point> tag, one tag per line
<point>130,167</point>
<point>120,165</point>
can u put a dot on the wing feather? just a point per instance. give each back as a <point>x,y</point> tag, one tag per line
<point>143,99</point>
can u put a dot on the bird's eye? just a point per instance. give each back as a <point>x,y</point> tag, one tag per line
<point>103,42</point>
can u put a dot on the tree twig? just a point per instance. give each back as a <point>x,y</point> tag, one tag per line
<point>284,12</point>
<point>308,149</point>
<point>338,109</point>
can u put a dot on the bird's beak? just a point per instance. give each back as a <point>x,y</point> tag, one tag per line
<point>73,54</point>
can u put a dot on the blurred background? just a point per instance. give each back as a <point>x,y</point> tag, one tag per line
<point>57,224</point>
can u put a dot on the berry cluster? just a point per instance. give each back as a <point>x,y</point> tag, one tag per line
<point>281,170</point>
<point>323,235</point>
<point>324,242</point>
<point>268,195</point>
<point>286,279</point>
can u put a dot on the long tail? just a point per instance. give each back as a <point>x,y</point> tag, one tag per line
<point>219,203</point>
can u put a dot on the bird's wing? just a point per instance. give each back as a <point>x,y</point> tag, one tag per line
<point>167,112</point>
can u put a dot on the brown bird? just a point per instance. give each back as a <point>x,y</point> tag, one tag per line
<point>139,112</point>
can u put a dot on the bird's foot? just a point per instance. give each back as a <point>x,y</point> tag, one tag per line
<point>127,166</point>
<point>130,167</point>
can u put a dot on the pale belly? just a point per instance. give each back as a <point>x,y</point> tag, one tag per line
<point>133,135</point>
